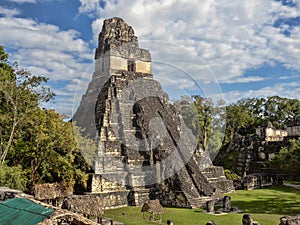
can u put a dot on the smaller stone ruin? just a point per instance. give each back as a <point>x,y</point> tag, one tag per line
<point>62,217</point>
<point>52,193</point>
<point>170,222</point>
<point>87,205</point>
<point>210,206</point>
<point>254,152</point>
<point>270,133</point>
<point>154,208</point>
<point>8,193</point>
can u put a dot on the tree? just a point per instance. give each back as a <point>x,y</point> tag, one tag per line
<point>14,177</point>
<point>239,118</point>
<point>247,114</point>
<point>203,123</point>
<point>195,113</point>
<point>20,93</point>
<point>48,150</point>
<point>205,119</point>
<point>288,159</point>
<point>37,145</point>
<point>275,109</point>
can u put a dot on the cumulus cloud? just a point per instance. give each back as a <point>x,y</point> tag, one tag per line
<point>210,42</point>
<point>193,43</point>
<point>31,1</point>
<point>88,6</point>
<point>69,96</point>
<point>45,49</point>
<point>288,90</point>
<point>229,36</point>
<point>8,12</point>
<point>245,79</point>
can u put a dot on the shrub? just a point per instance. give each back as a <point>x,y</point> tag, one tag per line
<point>13,177</point>
<point>231,175</point>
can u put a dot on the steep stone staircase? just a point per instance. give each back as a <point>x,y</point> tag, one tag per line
<point>244,160</point>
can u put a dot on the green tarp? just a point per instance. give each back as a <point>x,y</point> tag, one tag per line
<point>21,211</point>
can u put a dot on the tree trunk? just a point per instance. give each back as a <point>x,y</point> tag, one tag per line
<point>3,156</point>
<point>33,175</point>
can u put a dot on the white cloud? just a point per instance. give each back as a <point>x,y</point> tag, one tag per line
<point>45,49</point>
<point>27,33</point>
<point>205,42</point>
<point>230,36</point>
<point>245,80</point>
<point>289,77</point>
<point>32,1</point>
<point>88,6</point>
<point>69,96</point>
<point>9,12</point>
<point>23,1</point>
<point>288,90</point>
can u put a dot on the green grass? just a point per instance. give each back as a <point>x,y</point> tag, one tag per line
<point>292,182</point>
<point>275,200</point>
<point>264,205</point>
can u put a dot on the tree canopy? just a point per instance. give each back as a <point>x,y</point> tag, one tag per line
<point>215,125</point>
<point>37,145</point>
<point>288,159</point>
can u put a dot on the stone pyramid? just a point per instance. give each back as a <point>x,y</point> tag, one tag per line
<point>145,151</point>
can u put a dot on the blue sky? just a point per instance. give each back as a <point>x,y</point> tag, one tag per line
<point>228,49</point>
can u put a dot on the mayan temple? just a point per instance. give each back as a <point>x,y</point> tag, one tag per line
<point>144,150</point>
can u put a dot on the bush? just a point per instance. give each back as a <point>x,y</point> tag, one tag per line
<point>288,159</point>
<point>231,175</point>
<point>13,177</point>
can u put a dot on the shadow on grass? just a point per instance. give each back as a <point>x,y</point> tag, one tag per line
<point>274,200</point>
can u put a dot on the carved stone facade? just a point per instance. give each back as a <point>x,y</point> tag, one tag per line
<point>293,127</point>
<point>144,148</point>
<point>270,133</point>
<point>253,152</point>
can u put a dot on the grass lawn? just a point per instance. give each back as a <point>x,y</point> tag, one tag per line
<point>265,205</point>
<point>293,182</point>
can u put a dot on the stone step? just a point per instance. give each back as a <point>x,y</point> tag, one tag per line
<point>199,202</point>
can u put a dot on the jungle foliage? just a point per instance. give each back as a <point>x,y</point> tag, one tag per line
<point>36,145</point>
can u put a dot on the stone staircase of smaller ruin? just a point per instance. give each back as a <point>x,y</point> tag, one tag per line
<point>244,161</point>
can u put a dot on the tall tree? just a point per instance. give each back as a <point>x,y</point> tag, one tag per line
<point>20,93</point>
<point>247,114</point>
<point>197,114</point>
<point>288,159</point>
<point>239,118</point>
<point>38,145</point>
<point>47,149</point>
<point>203,123</point>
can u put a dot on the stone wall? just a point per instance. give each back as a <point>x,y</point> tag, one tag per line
<point>104,200</point>
<point>293,127</point>
<point>269,133</point>
<point>253,152</point>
